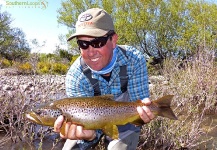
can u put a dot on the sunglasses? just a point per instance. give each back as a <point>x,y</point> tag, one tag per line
<point>97,42</point>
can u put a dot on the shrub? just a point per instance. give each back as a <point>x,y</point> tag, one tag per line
<point>74,57</point>
<point>153,68</point>
<point>59,68</point>
<point>51,68</point>
<point>4,63</point>
<point>25,68</point>
<point>44,67</point>
<point>194,87</point>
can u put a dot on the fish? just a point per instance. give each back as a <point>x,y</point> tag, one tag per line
<point>98,112</point>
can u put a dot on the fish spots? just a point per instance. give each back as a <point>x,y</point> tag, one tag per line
<point>55,113</point>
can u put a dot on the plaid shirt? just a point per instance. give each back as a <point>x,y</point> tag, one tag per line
<point>77,84</point>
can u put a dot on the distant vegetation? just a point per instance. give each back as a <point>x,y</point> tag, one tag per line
<point>13,44</point>
<point>160,29</point>
<point>38,63</point>
<point>15,52</point>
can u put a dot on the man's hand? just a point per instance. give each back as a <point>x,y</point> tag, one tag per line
<point>144,112</point>
<point>72,131</point>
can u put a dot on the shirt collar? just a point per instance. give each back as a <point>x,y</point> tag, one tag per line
<point>121,61</point>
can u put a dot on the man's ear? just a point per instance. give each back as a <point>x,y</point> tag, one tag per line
<point>114,40</point>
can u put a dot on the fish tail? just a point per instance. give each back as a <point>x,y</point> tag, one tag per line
<point>164,105</point>
<point>168,113</point>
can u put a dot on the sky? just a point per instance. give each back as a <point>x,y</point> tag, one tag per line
<point>38,20</point>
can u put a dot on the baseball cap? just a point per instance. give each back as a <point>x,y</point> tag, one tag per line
<point>93,22</point>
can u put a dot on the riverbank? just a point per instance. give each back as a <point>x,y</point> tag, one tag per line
<point>191,89</point>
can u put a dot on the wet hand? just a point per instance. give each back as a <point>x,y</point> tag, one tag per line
<point>144,112</point>
<point>72,131</point>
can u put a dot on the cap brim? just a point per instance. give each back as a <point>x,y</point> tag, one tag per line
<point>89,32</point>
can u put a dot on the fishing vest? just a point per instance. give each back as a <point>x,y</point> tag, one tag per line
<point>95,83</point>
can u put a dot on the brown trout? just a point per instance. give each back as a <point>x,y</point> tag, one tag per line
<point>98,112</point>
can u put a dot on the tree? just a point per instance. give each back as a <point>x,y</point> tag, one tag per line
<point>5,29</point>
<point>13,44</point>
<point>158,28</point>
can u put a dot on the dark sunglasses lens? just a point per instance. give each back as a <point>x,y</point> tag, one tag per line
<point>83,44</point>
<point>99,42</point>
<point>96,43</point>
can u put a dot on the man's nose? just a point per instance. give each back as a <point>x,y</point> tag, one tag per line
<point>91,51</point>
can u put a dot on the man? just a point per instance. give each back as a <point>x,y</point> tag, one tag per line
<point>104,61</point>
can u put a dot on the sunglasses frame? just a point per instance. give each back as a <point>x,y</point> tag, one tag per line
<point>97,42</point>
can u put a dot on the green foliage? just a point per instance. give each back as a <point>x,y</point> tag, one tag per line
<point>52,64</point>
<point>65,54</point>
<point>25,68</point>
<point>13,45</point>
<point>153,68</point>
<point>52,68</point>
<point>4,63</point>
<point>74,57</point>
<point>49,57</point>
<point>44,67</point>
<point>172,28</point>
<point>59,68</point>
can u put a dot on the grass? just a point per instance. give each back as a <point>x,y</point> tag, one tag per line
<point>194,86</point>
<point>193,83</point>
<point>30,91</point>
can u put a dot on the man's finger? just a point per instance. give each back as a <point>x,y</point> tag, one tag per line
<point>72,131</point>
<point>148,112</point>
<point>146,101</point>
<point>79,132</point>
<point>143,114</point>
<point>58,123</point>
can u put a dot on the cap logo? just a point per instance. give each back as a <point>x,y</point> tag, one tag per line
<point>85,17</point>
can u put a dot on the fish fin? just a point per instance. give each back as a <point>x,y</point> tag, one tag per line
<point>164,105</point>
<point>168,113</point>
<point>164,101</point>
<point>138,122</point>
<point>111,131</point>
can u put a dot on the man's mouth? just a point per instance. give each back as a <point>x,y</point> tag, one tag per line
<point>94,59</point>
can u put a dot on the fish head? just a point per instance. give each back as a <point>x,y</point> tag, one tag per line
<point>44,115</point>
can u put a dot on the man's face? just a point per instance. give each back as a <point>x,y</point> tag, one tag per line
<point>98,58</point>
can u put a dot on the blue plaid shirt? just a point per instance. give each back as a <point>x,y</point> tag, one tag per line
<point>77,84</point>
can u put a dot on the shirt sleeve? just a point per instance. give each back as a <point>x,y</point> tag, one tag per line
<point>77,85</point>
<point>138,87</point>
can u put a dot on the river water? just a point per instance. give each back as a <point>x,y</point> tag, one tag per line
<point>49,143</point>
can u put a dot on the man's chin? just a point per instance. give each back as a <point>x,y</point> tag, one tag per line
<point>95,68</point>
